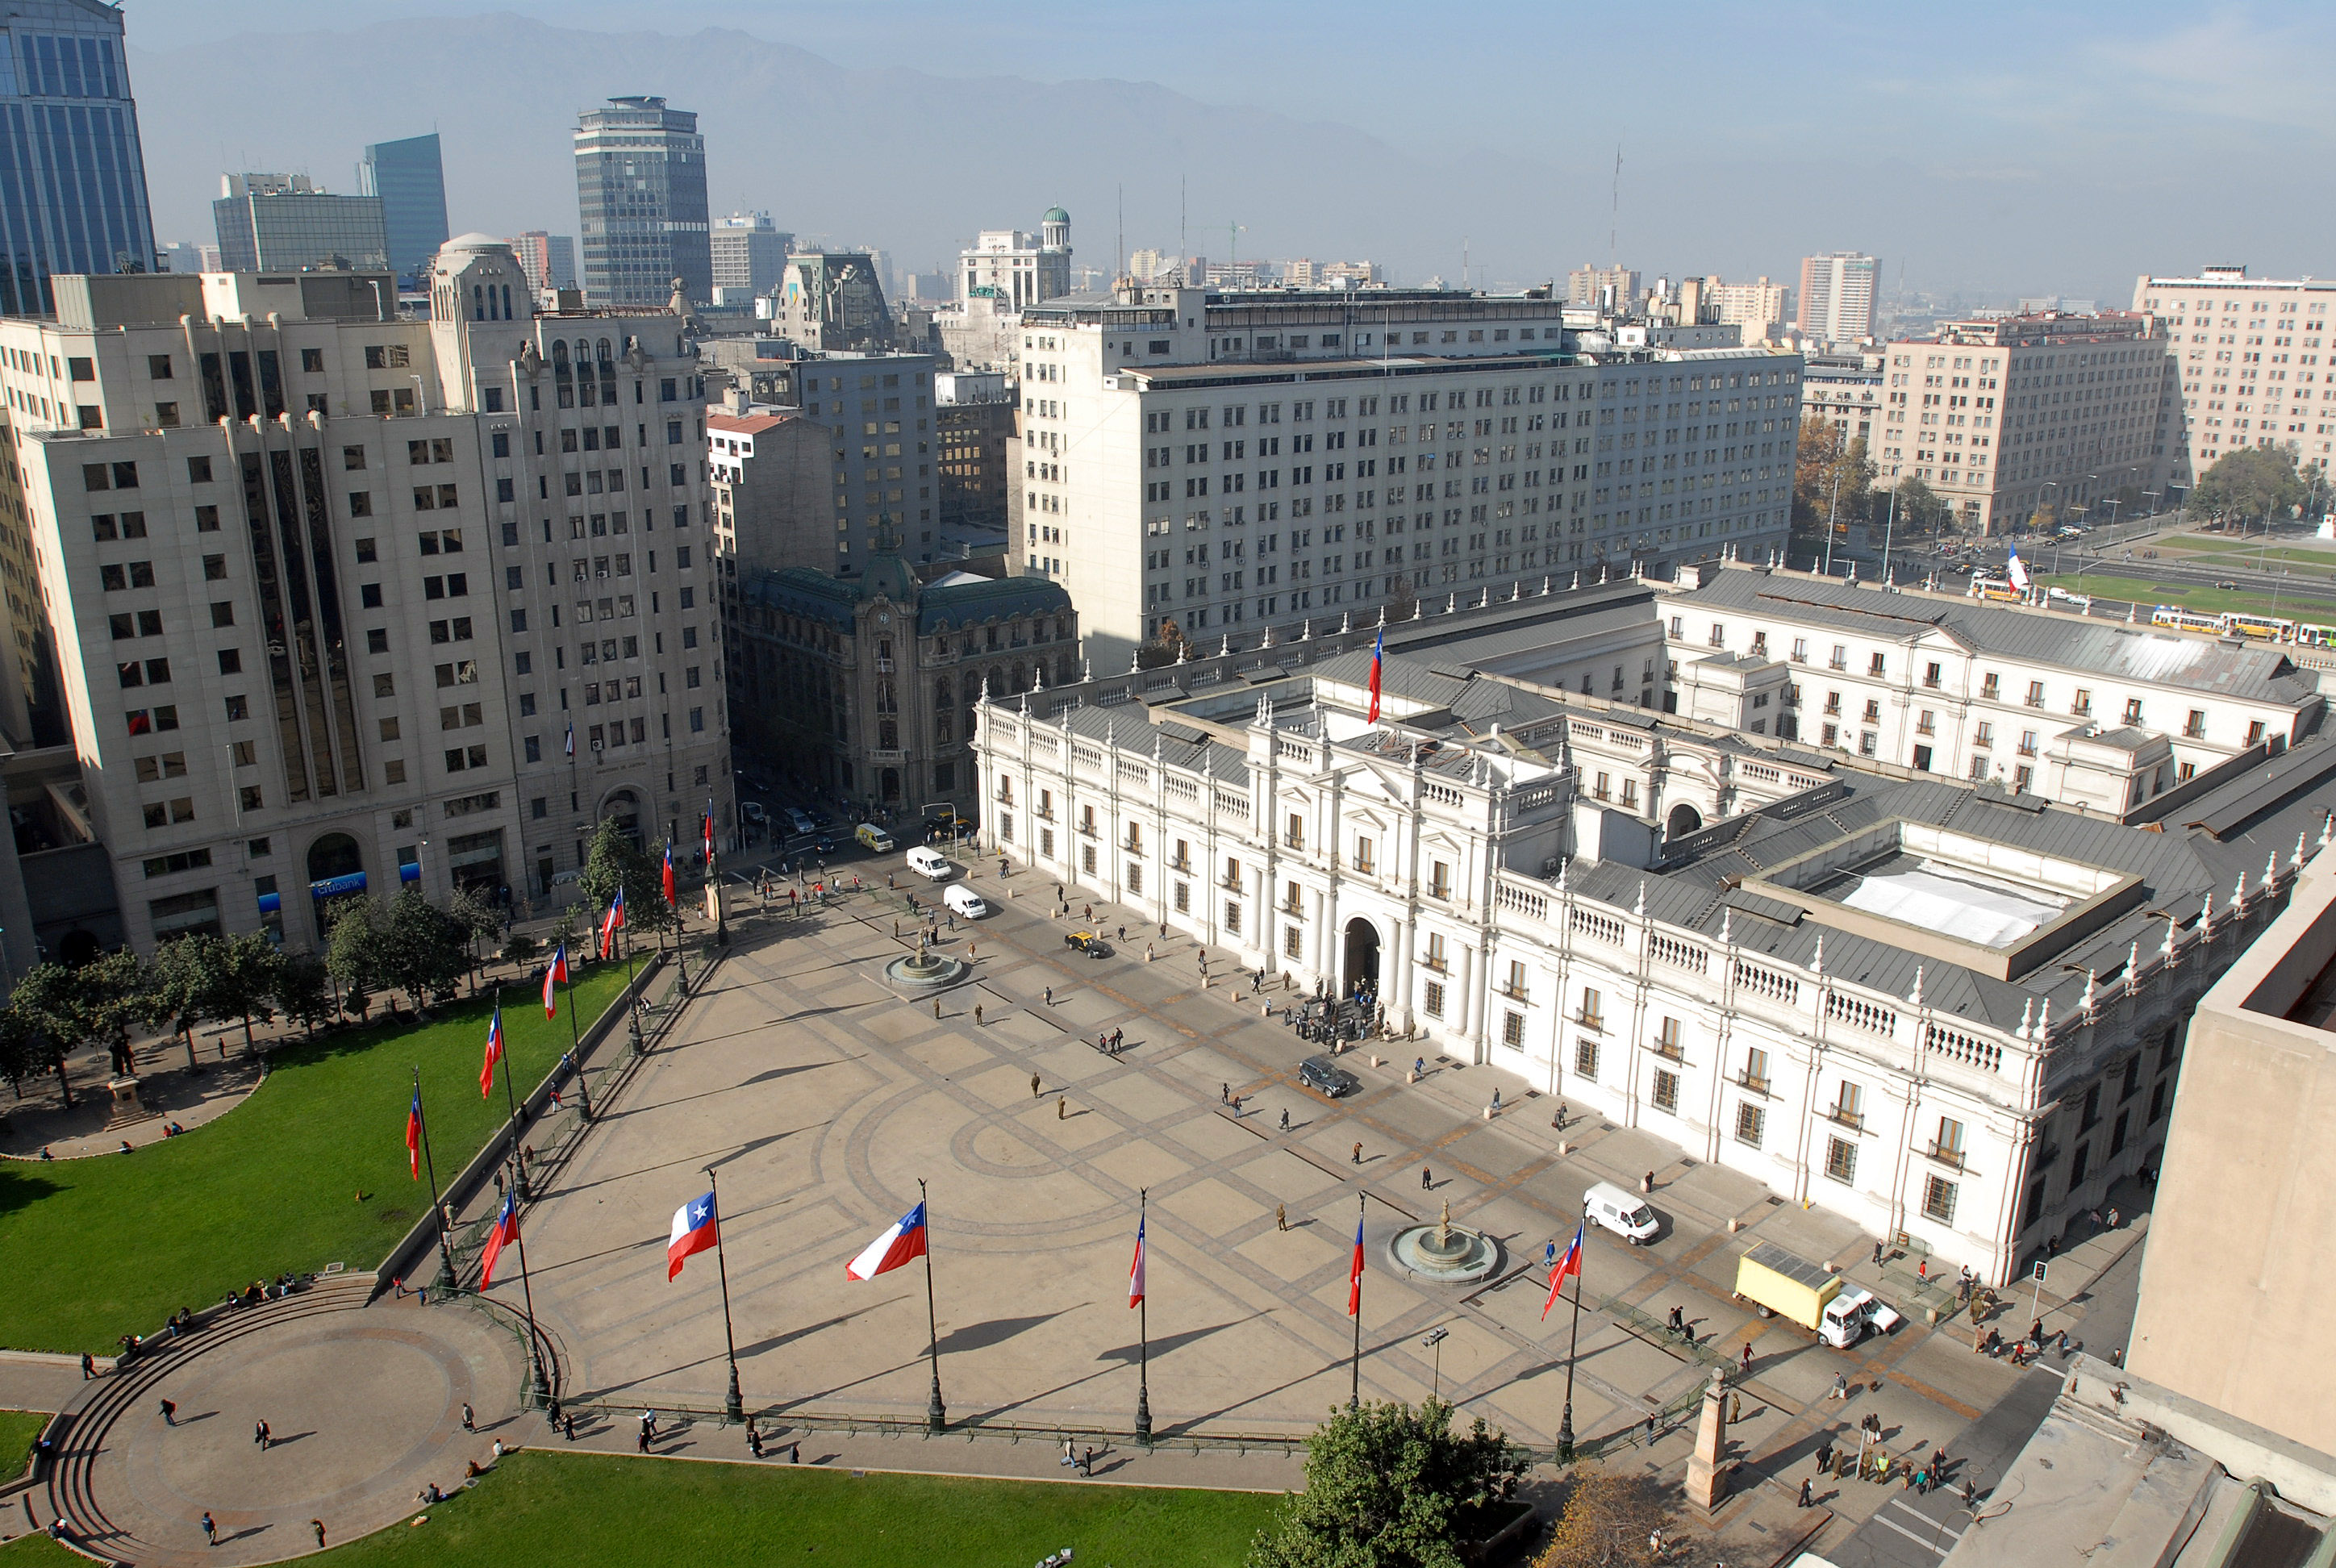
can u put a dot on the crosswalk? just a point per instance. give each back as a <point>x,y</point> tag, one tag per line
<point>1935,1536</point>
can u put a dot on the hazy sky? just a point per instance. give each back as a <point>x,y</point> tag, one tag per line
<point>1986,146</point>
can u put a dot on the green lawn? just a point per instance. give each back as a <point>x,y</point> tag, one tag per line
<point>2205,600</point>
<point>17,1430</point>
<point>559,1509</point>
<point>36,1551</point>
<point>2322,557</point>
<point>309,1171</point>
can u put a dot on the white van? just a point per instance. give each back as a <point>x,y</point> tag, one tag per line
<point>1622,1213</point>
<point>965,900</point>
<point>929,864</point>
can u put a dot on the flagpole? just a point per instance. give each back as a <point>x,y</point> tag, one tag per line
<point>445,1245</point>
<point>1355,1381</point>
<point>632,987</point>
<point>734,1406</point>
<point>519,1185</point>
<point>575,1035</point>
<point>1573,1345</point>
<point>1143,1330</point>
<point>518,1162</point>
<point>936,1413</point>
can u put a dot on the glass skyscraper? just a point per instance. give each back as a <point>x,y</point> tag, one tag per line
<point>272,221</point>
<point>410,182</point>
<point>72,175</point>
<point>640,190</point>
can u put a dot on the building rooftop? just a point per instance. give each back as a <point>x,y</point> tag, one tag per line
<point>746,425</point>
<point>2099,648</point>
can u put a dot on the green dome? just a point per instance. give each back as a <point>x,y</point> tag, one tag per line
<point>1055,215</point>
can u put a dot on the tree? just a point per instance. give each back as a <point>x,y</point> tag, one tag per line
<point>1921,509</point>
<point>2251,483</point>
<point>303,991</point>
<point>1383,1482</point>
<point>424,949</point>
<point>1827,454</point>
<point>480,920</point>
<point>351,955</point>
<point>19,1049</point>
<point>613,861</point>
<point>1402,602</point>
<point>247,983</point>
<point>1606,1523</point>
<point>100,1000</point>
<point>188,971</point>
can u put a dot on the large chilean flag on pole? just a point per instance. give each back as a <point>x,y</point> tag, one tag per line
<point>1569,1264</point>
<point>494,1054</point>
<point>1135,1269</point>
<point>1354,1274</point>
<point>505,1233</point>
<point>1378,649</point>
<point>695,1229</point>
<point>669,875</point>
<point>612,923</point>
<point>905,1240</point>
<point>413,1133</point>
<point>555,975</point>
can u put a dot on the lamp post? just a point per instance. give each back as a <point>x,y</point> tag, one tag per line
<point>1434,1340</point>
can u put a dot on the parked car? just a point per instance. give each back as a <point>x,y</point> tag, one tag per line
<point>874,838</point>
<point>1627,1216</point>
<point>753,812</point>
<point>1088,942</point>
<point>801,821</point>
<point>1325,1077</point>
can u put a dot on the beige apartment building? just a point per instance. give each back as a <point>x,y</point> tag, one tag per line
<point>1837,292</point>
<point>2253,373</point>
<point>2002,416</point>
<point>1758,307</point>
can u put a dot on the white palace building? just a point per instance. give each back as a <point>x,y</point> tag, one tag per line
<point>1937,1006</point>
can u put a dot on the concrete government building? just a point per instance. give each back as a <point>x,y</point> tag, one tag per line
<point>1945,1008</point>
<point>332,589</point>
<point>1198,463</point>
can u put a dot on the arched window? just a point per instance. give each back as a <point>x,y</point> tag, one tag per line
<point>507,309</point>
<point>478,303</point>
<point>941,693</point>
<point>606,356</point>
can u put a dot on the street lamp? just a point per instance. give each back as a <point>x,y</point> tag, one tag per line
<point>1434,1340</point>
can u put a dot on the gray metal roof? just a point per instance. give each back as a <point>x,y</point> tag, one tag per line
<point>2097,647</point>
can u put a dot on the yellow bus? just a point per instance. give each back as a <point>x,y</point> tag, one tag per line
<point>1995,587</point>
<point>2270,628</point>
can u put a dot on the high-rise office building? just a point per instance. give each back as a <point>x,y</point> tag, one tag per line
<point>411,183</point>
<point>749,252</point>
<point>1614,288</point>
<point>640,187</point>
<point>337,589</point>
<point>1837,295</point>
<point>285,222</point>
<point>547,260</point>
<point>1757,308</point>
<point>72,173</point>
<point>2233,335</point>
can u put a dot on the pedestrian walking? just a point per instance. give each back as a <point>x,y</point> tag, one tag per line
<point>170,1414</point>
<point>1285,1118</point>
<point>1806,1497</point>
<point>1426,1180</point>
<point>643,1442</point>
<point>794,1453</point>
<point>568,1426</point>
<point>754,1438</point>
<point>1087,1465</point>
<point>1419,1066</point>
<point>1496,1099</point>
<point>1034,1085</point>
<point>937,1009</point>
<point>1050,996</point>
<point>1358,1154</point>
<point>89,1362</point>
<point>977,1013</point>
<point>1070,1453</point>
<point>260,1435</point>
<point>318,1526</point>
<point>211,1529</point>
<point>1825,1456</point>
<point>1748,1358</point>
<point>1281,1216</point>
<point>1877,1254</point>
<point>1840,1388</point>
<point>1970,1492</point>
<point>2036,1331</point>
<point>1224,1094</point>
<point>1063,1108</point>
<point>470,1420</point>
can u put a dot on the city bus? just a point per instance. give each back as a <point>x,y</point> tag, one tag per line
<point>1995,587</point>
<point>2312,636</point>
<point>2269,628</point>
<point>2174,616</point>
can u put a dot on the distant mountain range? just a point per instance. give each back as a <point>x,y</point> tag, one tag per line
<point>898,158</point>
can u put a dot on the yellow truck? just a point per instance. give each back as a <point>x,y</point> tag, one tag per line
<point>1780,1285</point>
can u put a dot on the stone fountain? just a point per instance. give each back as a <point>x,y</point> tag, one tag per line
<point>925,970</point>
<point>1444,1253</point>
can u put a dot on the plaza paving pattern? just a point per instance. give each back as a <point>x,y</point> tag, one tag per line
<point>823,1099</point>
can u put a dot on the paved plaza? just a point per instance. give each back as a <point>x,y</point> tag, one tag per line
<point>823,1099</point>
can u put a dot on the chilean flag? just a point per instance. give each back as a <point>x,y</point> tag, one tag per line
<point>572,740</point>
<point>413,1134</point>
<point>556,975</point>
<point>495,1053</point>
<point>1136,1271</point>
<point>903,1241</point>
<point>2017,569</point>
<point>612,924</point>
<point>694,1231</point>
<point>1354,1274</point>
<point>1379,647</point>
<point>505,1234</point>
<point>709,834</point>
<point>1569,1264</point>
<point>669,875</point>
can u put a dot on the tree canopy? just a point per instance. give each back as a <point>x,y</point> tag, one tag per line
<point>1606,1523</point>
<point>406,941</point>
<point>2251,484</point>
<point>611,862</point>
<point>1828,451</point>
<point>1384,1481</point>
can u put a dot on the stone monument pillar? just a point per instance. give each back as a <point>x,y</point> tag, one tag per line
<point>1706,1473</point>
